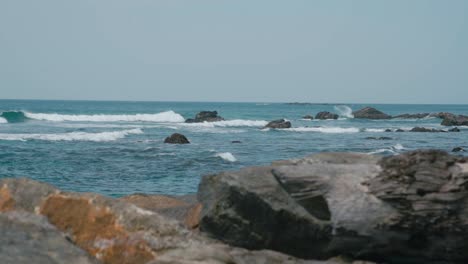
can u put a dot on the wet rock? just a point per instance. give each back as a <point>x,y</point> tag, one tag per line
<point>205,116</point>
<point>310,117</point>
<point>176,138</point>
<point>458,149</point>
<point>412,116</point>
<point>280,123</point>
<point>399,130</point>
<point>455,129</point>
<point>423,129</point>
<point>326,115</point>
<point>370,113</point>
<point>453,120</point>
<point>388,130</point>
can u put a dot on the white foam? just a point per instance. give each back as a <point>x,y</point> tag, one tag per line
<point>230,123</point>
<point>392,150</point>
<point>398,147</point>
<point>3,120</point>
<point>375,130</point>
<point>336,130</point>
<point>344,110</point>
<point>73,136</point>
<point>168,116</point>
<point>227,156</point>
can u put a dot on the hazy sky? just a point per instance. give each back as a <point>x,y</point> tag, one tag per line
<point>394,51</point>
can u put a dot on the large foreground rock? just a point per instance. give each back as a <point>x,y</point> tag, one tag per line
<point>41,224</point>
<point>205,116</point>
<point>410,208</point>
<point>370,113</point>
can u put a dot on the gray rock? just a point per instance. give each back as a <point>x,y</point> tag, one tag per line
<point>176,138</point>
<point>326,115</point>
<point>28,238</point>
<point>280,123</point>
<point>205,116</point>
<point>370,113</point>
<point>453,120</point>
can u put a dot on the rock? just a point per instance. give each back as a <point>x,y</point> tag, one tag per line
<point>310,117</point>
<point>443,115</point>
<point>458,149</point>
<point>388,130</point>
<point>236,142</point>
<point>205,116</point>
<point>176,138</point>
<point>379,138</point>
<point>28,238</point>
<point>326,115</point>
<point>410,208</point>
<point>280,123</point>
<point>455,129</point>
<point>399,130</point>
<point>453,120</point>
<point>370,113</point>
<point>412,116</point>
<point>423,129</point>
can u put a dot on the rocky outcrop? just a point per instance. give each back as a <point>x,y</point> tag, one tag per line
<point>176,138</point>
<point>409,208</point>
<point>370,113</point>
<point>326,115</point>
<point>280,123</point>
<point>205,116</point>
<point>412,116</point>
<point>453,120</point>
<point>309,117</point>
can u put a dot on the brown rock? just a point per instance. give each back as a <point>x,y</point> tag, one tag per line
<point>153,202</point>
<point>192,219</point>
<point>6,201</point>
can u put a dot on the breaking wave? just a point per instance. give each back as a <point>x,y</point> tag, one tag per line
<point>388,151</point>
<point>344,111</point>
<point>163,117</point>
<point>3,120</point>
<point>73,136</point>
<point>12,117</point>
<point>227,156</point>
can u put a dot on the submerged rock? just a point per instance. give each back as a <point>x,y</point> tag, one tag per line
<point>205,116</point>
<point>379,138</point>
<point>455,129</point>
<point>409,208</point>
<point>326,115</point>
<point>370,113</point>
<point>310,117</point>
<point>176,138</point>
<point>280,123</point>
<point>458,149</point>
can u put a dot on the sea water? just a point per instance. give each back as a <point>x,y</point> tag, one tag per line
<point>116,148</point>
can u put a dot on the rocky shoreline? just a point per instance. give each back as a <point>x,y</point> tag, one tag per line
<point>409,208</point>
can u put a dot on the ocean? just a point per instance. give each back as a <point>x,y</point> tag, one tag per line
<point>116,148</point>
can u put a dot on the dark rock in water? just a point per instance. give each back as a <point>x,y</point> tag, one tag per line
<point>412,116</point>
<point>399,130</point>
<point>280,123</point>
<point>388,130</point>
<point>455,129</point>
<point>409,208</point>
<point>423,129</point>
<point>370,113</point>
<point>176,138</point>
<point>443,115</point>
<point>453,120</point>
<point>379,138</point>
<point>308,117</point>
<point>236,142</point>
<point>205,116</point>
<point>326,115</point>
<point>458,149</point>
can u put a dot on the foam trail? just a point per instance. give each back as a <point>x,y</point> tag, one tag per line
<point>73,136</point>
<point>3,120</point>
<point>168,116</point>
<point>344,110</point>
<point>227,156</point>
<point>335,130</point>
<point>230,123</point>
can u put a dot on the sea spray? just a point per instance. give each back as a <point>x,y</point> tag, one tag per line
<point>344,111</point>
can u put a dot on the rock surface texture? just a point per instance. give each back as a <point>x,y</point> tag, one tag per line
<point>370,113</point>
<point>205,116</point>
<point>410,208</point>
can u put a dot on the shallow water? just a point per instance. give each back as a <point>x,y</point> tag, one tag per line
<point>116,148</point>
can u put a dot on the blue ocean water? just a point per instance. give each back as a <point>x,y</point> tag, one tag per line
<point>116,148</point>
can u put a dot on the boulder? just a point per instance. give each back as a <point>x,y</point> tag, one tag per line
<point>409,208</point>
<point>309,117</point>
<point>388,130</point>
<point>370,113</point>
<point>176,138</point>
<point>399,130</point>
<point>412,116</point>
<point>453,120</point>
<point>326,115</point>
<point>280,123</point>
<point>423,129</point>
<point>205,116</point>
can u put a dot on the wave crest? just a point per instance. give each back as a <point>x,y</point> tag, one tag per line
<point>163,117</point>
<point>344,110</point>
<point>227,156</point>
<point>73,136</point>
<point>12,117</point>
<point>230,123</point>
<point>334,130</point>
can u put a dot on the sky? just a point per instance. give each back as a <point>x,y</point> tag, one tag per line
<point>360,51</point>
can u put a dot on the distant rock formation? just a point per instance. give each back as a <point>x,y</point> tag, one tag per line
<point>370,113</point>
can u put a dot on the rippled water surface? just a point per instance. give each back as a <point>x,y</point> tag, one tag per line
<point>116,148</point>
